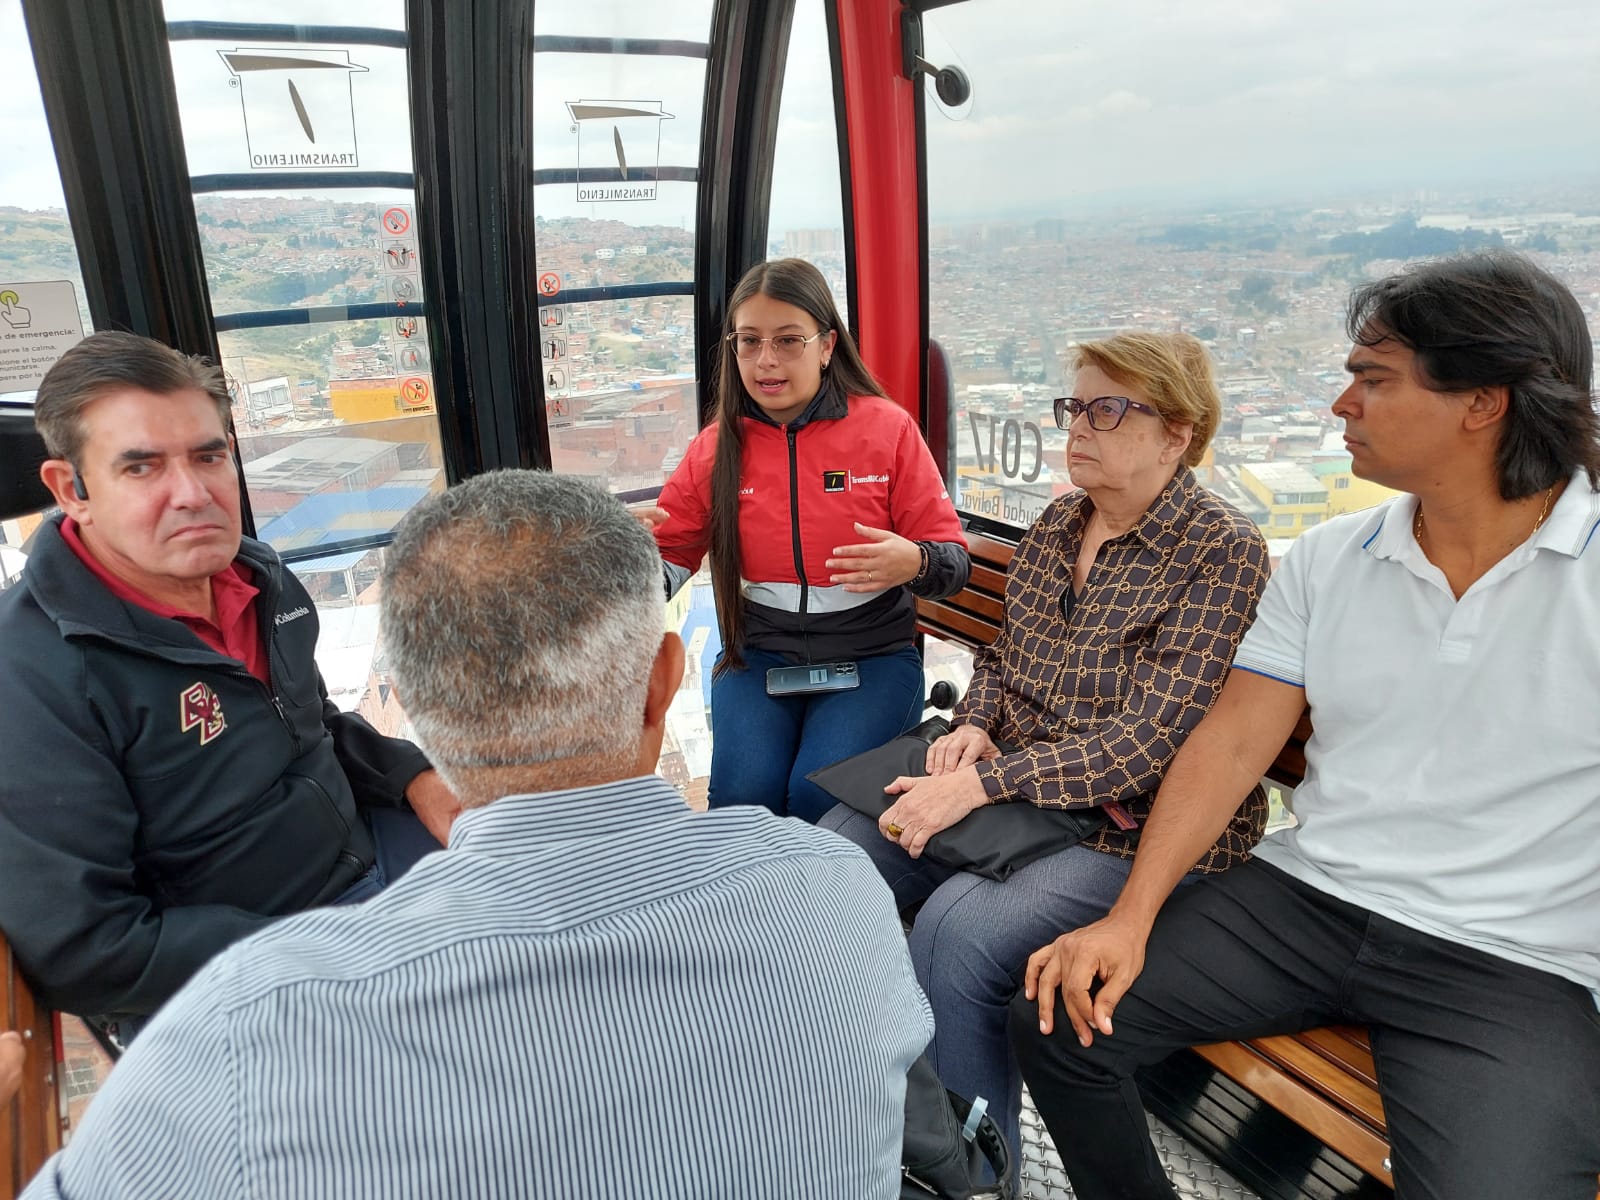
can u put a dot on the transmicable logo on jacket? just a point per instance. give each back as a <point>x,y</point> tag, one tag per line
<point>844,481</point>
<point>199,708</point>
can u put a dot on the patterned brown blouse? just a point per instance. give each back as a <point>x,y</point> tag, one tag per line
<point>1100,701</point>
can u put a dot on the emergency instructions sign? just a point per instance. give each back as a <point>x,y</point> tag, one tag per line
<point>39,322</point>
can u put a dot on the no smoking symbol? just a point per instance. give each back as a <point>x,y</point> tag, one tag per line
<point>549,283</point>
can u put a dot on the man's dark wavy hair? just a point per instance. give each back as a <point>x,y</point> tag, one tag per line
<point>1493,319</point>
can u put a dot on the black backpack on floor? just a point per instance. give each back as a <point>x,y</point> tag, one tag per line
<point>941,1156</point>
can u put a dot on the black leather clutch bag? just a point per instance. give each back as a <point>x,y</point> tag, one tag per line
<point>992,841</point>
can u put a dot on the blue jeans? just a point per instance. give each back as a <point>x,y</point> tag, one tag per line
<point>762,746</point>
<point>401,839</point>
<point>970,945</point>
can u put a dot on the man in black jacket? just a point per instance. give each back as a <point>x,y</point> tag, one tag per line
<point>173,775</point>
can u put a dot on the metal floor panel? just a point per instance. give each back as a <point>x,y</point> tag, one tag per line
<point>1193,1175</point>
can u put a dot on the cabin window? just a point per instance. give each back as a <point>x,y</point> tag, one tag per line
<point>807,213</point>
<point>39,272</point>
<point>1162,167</point>
<point>300,159</point>
<point>36,245</point>
<point>617,100</point>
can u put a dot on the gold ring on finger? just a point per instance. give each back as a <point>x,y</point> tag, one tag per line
<point>893,830</point>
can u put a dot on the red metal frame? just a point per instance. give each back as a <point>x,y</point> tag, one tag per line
<point>880,116</point>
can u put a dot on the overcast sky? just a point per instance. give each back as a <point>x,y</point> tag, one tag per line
<point>1255,97</point>
<point>1152,102</point>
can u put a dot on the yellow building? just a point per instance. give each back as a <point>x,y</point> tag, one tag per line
<point>1294,498</point>
<point>382,398</point>
<point>1347,492</point>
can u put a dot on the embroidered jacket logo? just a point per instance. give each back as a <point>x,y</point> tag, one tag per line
<point>199,708</point>
<point>835,481</point>
<point>293,614</point>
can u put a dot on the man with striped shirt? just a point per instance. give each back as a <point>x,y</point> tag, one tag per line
<point>593,991</point>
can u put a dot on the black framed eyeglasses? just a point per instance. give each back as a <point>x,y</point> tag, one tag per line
<point>1105,412</point>
<point>785,346</point>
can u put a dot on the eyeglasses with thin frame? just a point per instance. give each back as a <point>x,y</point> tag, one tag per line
<point>1105,412</point>
<point>785,346</point>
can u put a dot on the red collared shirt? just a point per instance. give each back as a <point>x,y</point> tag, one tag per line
<point>237,631</point>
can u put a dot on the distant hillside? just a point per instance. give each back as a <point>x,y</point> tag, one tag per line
<point>1406,239</point>
<point>35,246</point>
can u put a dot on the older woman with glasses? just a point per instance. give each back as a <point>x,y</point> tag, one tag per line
<point>823,514</point>
<point>1123,606</point>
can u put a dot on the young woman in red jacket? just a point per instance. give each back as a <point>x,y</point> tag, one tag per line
<point>824,514</point>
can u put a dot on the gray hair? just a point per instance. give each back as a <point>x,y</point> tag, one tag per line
<point>521,614</point>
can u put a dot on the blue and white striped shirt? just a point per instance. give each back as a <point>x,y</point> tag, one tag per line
<point>593,992</point>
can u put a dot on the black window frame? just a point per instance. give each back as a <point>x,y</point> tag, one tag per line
<point>130,194</point>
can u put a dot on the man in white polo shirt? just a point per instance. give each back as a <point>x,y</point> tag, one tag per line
<point>1442,883</point>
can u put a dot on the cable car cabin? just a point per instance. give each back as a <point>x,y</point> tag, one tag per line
<point>427,240</point>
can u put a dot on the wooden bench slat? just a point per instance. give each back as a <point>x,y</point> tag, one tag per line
<point>1347,1046</point>
<point>1289,768</point>
<point>30,1129</point>
<point>986,581</point>
<point>1329,1123</point>
<point>1303,1060</point>
<point>990,608</point>
<point>953,624</point>
<point>990,551</point>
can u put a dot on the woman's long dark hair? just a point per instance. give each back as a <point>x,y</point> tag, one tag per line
<point>793,281</point>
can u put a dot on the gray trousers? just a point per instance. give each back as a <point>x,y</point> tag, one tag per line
<point>1489,1070</point>
<point>971,942</point>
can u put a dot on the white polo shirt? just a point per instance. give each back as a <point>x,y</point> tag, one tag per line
<point>1453,780</point>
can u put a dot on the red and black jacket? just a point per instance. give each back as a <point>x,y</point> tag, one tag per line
<point>802,488</point>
